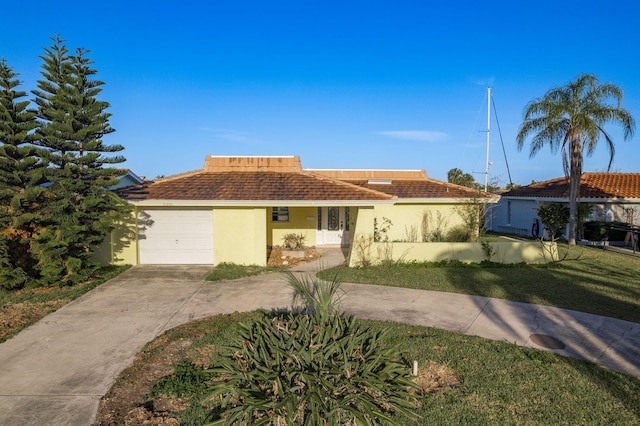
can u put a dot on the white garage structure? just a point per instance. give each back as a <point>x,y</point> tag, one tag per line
<point>175,236</point>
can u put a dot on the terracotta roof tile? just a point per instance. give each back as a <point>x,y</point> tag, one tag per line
<point>422,188</point>
<point>248,186</point>
<point>354,174</point>
<point>283,179</point>
<point>592,185</point>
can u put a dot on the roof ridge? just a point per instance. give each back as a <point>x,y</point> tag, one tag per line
<point>358,174</point>
<point>347,184</point>
<point>592,185</point>
<point>461,187</point>
<point>177,176</point>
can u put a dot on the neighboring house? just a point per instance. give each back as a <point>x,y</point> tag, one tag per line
<point>235,208</point>
<point>128,179</point>
<point>615,197</point>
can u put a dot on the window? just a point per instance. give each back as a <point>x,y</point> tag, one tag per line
<point>280,214</point>
<point>346,218</point>
<point>332,218</point>
<point>319,218</point>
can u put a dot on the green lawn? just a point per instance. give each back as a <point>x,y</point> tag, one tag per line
<point>498,383</point>
<point>590,280</point>
<point>231,271</point>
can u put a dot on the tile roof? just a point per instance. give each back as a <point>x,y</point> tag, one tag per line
<point>354,174</point>
<point>251,186</point>
<point>592,185</point>
<point>283,179</point>
<point>413,184</point>
<point>421,188</point>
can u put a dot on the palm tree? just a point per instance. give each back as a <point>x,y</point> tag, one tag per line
<point>572,118</point>
<point>458,177</point>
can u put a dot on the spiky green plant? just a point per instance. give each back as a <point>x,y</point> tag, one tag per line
<point>313,295</point>
<point>297,369</point>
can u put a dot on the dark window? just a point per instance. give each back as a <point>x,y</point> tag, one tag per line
<point>280,214</point>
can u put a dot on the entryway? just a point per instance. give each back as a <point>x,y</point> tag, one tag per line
<point>333,226</point>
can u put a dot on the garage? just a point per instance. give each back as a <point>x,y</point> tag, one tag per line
<point>175,236</point>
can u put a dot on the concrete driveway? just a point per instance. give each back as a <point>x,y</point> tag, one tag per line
<point>56,371</point>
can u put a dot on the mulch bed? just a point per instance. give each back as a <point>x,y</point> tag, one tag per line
<point>276,258</point>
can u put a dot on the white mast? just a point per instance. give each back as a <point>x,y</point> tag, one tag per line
<point>486,166</point>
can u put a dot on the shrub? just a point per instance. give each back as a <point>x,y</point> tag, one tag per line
<point>554,217</point>
<point>459,234</point>
<point>293,241</point>
<point>380,230</point>
<point>473,214</point>
<point>362,249</point>
<point>311,369</point>
<point>312,366</point>
<point>186,379</point>
<point>435,232</point>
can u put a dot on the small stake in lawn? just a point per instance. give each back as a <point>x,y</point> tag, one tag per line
<point>415,368</point>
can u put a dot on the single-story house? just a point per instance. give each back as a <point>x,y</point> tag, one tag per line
<point>615,197</point>
<point>235,208</point>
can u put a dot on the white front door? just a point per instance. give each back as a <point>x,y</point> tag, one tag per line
<point>333,226</point>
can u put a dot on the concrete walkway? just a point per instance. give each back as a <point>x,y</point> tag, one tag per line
<point>56,371</point>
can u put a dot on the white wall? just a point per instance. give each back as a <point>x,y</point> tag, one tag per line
<point>519,221</point>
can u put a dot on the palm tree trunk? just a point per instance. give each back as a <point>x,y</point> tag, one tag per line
<point>575,175</point>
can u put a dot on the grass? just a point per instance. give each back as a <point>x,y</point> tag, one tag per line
<point>19,309</point>
<point>497,382</point>
<point>231,271</point>
<point>492,237</point>
<point>589,280</point>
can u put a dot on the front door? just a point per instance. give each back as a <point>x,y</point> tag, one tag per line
<point>333,226</point>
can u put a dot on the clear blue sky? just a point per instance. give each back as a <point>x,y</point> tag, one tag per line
<point>363,84</point>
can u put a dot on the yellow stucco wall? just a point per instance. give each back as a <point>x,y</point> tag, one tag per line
<point>302,220</point>
<point>119,248</point>
<point>407,223</point>
<point>503,252</point>
<point>240,236</point>
<point>406,220</point>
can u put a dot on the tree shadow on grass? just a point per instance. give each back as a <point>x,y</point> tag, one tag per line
<point>607,341</point>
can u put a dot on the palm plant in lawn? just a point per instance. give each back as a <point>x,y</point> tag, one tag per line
<point>572,118</point>
<point>312,295</point>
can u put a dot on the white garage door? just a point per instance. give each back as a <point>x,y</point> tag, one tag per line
<point>175,237</point>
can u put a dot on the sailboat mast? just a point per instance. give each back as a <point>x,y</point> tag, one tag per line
<point>486,166</point>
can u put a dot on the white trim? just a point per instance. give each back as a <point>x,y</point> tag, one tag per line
<point>134,176</point>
